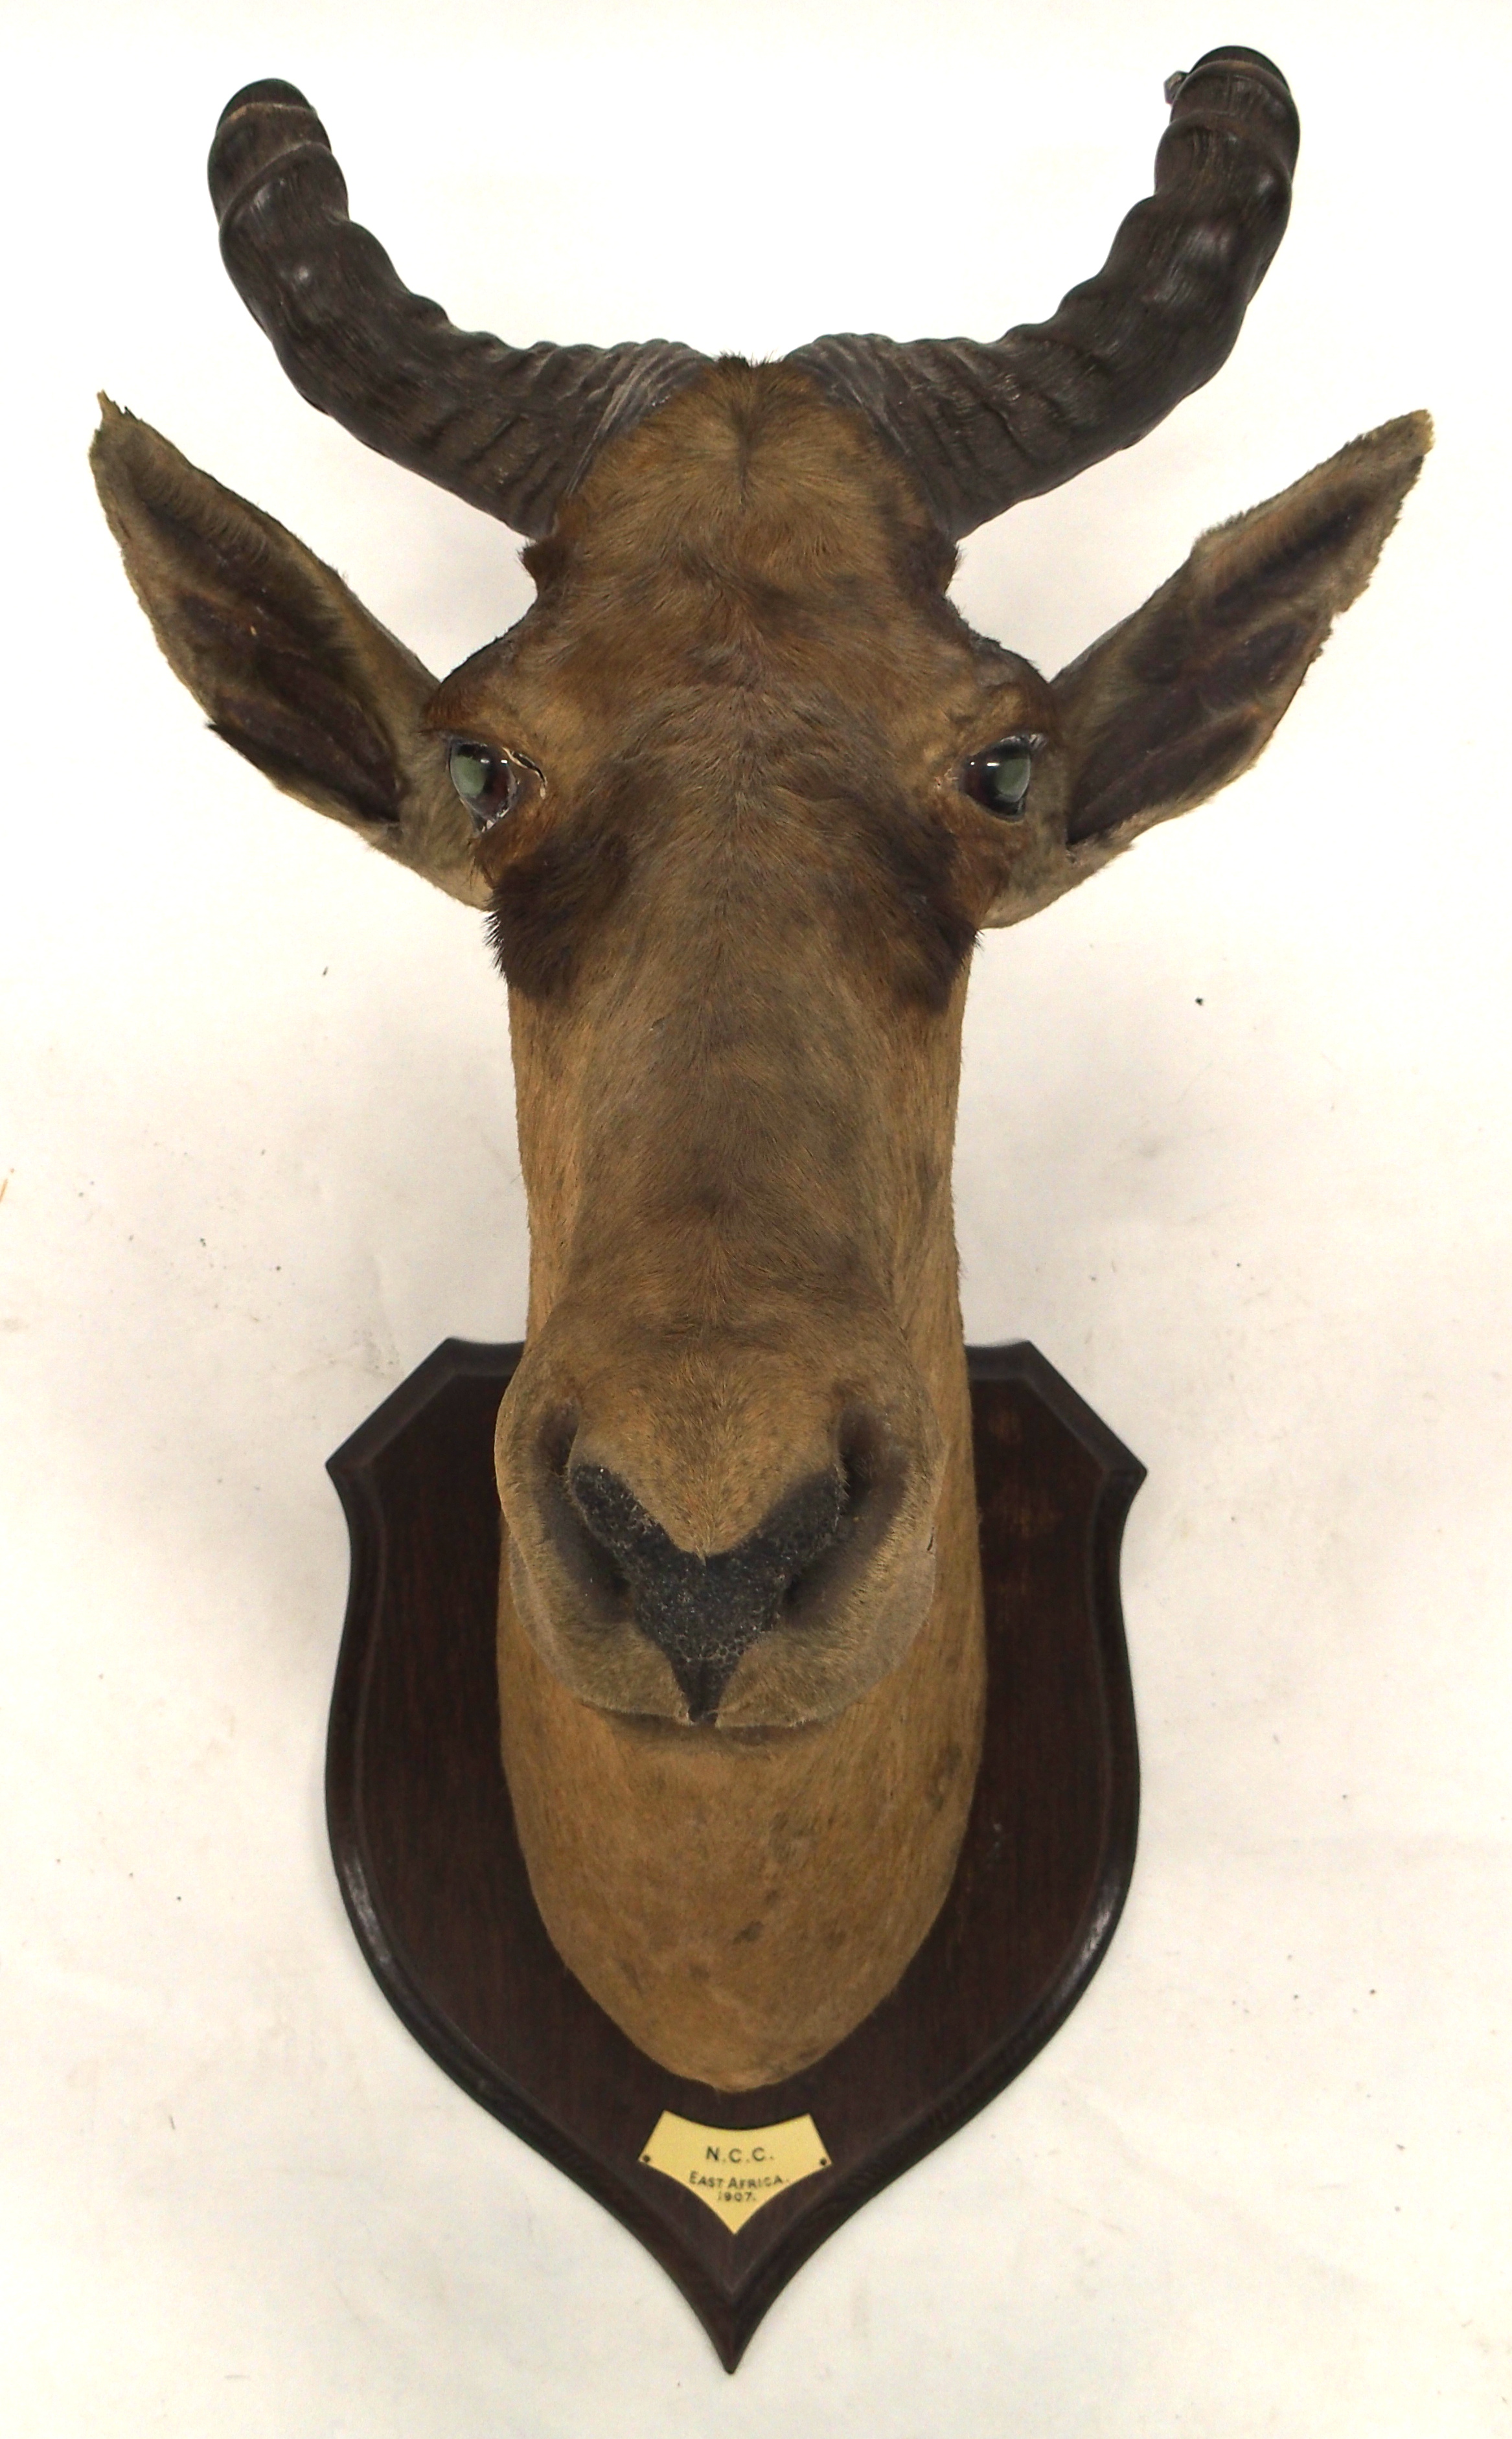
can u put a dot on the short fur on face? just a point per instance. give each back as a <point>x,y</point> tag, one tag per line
<point>734,901</point>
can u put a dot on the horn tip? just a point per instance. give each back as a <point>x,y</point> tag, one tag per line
<point>1235,55</point>
<point>267,89</point>
<point>258,125</point>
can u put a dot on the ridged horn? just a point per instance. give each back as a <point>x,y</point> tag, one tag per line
<point>508,429</point>
<point>982,425</point>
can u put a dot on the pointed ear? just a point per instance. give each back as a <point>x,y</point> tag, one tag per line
<point>1182,698</point>
<point>290,669</point>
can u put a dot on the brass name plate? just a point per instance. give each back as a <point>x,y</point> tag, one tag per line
<point>735,2170</point>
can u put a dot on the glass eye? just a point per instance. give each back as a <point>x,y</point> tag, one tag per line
<point>999,778</point>
<point>487,783</point>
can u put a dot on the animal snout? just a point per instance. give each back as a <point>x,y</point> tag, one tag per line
<point>703,1612</point>
<point>717,1535</point>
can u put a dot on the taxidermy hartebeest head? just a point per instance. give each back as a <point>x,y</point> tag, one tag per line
<point>737,795</point>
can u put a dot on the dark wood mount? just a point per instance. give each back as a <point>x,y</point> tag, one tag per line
<point>425,1849</point>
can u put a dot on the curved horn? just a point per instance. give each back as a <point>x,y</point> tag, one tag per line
<point>981,426</point>
<point>508,429</point>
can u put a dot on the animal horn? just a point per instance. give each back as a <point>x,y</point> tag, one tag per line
<point>983,425</point>
<point>508,429</point>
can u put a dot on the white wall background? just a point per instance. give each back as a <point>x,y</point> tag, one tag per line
<point>1232,1151</point>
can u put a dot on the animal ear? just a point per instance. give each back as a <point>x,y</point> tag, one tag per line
<point>291,669</point>
<point>1174,703</point>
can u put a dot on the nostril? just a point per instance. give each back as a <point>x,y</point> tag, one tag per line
<point>704,1612</point>
<point>868,1457</point>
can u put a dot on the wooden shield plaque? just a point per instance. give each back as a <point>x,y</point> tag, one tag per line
<point>730,2191</point>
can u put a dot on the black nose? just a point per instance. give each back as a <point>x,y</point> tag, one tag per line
<point>704,1612</point>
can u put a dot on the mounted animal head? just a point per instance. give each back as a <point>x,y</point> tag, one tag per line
<point>737,795</point>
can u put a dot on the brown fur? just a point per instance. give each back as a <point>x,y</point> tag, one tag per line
<point>290,669</point>
<point>733,907</point>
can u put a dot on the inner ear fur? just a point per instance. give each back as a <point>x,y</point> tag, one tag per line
<point>1182,698</point>
<point>290,667</point>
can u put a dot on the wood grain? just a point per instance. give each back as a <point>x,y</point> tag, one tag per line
<point>425,1850</point>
